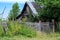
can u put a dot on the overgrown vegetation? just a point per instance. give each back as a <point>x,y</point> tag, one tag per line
<point>1,31</point>
<point>22,32</point>
<point>31,17</point>
<point>50,10</point>
<point>14,28</point>
<point>40,36</point>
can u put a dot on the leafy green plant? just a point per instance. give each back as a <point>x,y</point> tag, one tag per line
<point>27,31</point>
<point>14,28</point>
<point>1,31</point>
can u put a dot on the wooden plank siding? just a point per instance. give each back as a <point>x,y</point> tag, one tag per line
<point>41,26</point>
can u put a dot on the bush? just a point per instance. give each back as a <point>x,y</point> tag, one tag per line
<point>1,31</point>
<point>27,31</point>
<point>14,28</point>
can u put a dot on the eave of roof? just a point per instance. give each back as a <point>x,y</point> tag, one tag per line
<point>22,11</point>
<point>32,8</point>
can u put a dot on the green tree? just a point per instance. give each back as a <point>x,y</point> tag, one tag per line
<point>14,11</point>
<point>50,10</point>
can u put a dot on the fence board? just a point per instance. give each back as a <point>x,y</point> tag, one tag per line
<point>41,26</point>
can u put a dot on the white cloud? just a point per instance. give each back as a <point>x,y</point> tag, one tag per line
<point>13,1</point>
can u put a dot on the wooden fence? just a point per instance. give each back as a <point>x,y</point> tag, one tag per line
<point>41,26</point>
<point>4,25</point>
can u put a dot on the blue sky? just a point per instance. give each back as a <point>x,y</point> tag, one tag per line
<point>8,4</point>
<point>8,8</point>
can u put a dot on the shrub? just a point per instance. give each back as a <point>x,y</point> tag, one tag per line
<point>1,31</point>
<point>27,31</point>
<point>14,28</point>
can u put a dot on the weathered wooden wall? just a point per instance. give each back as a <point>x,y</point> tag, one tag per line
<point>41,26</point>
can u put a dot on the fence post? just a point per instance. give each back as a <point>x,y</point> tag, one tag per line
<point>40,25</point>
<point>53,25</point>
<point>5,28</point>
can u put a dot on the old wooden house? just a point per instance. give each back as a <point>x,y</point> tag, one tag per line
<point>32,10</point>
<point>29,9</point>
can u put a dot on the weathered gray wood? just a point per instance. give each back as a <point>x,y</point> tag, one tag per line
<point>41,26</point>
<point>4,25</point>
<point>53,25</point>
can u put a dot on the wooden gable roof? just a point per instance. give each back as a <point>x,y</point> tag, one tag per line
<point>33,7</point>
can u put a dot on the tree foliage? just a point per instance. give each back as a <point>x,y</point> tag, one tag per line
<point>14,11</point>
<point>31,18</point>
<point>50,10</point>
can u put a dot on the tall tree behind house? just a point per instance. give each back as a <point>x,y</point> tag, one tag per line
<point>51,9</point>
<point>14,11</point>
